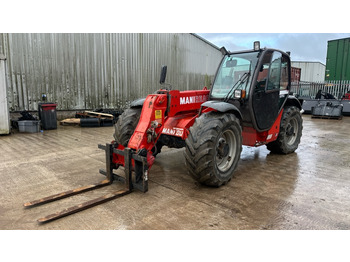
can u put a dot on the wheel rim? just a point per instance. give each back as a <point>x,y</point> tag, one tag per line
<point>292,131</point>
<point>225,151</point>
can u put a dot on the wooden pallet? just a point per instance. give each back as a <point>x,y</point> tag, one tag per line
<point>96,114</point>
<point>86,114</point>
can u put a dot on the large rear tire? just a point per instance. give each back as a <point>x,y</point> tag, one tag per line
<point>126,126</point>
<point>213,148</point>
<point>290,132</point>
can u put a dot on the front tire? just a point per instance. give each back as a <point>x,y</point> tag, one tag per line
<point>213,148</point>
<point>290,132</point>
<point>126,124</point>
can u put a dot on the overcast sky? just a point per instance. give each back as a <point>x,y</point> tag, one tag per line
<point>303,47</point>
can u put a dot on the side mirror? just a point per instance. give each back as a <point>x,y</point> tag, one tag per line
<point>231,63</point>
<point>163,74</point>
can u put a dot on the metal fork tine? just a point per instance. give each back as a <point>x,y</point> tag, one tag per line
<point>67,193</point>
<point>85,205</point>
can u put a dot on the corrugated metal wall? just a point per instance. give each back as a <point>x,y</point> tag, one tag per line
<point>88,71</point>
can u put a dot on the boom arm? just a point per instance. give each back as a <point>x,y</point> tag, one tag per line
<point>168,112</point>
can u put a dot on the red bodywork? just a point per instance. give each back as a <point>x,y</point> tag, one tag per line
<point>253,138</point>
<point>346,96</point>
<point>176,117</point>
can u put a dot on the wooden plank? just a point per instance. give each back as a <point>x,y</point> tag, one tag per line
<point>70,121</point>
<point>96,114</point>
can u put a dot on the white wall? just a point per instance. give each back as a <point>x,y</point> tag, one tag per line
<point>311,71</point>
<point>4,108</point>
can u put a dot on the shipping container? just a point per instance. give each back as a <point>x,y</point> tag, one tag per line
<point>310,71</point>
<point>338,59</point>
<point>295,74</point>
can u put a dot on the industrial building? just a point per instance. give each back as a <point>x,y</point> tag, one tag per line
<point>310,71</point>
<point>337,66</point>
<point>88,71</point>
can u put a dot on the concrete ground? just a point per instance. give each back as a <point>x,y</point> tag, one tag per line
<point>308,189</point>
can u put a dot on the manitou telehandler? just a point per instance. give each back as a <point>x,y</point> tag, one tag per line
<point>248,104</point>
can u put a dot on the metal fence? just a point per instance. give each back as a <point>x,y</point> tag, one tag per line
<point>89,71</point>
<point>310,89</point>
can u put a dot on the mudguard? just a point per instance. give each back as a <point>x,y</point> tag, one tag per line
<point>222,107</point>
<point>137,103</point>
<point>293,101</point>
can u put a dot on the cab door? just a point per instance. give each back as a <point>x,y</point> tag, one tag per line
<point>271,79</point>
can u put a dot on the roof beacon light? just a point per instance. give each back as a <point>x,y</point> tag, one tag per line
<point>256,45</point>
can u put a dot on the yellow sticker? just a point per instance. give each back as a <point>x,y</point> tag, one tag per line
<point>158,114</point>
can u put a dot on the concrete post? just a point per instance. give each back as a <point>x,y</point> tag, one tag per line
<point>4,107</point>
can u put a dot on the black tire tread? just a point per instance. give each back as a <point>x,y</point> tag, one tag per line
<point>279,146</point>
<point>126,124</point>
<point>201,143</point>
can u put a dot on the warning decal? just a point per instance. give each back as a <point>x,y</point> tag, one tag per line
<point>158,114</point>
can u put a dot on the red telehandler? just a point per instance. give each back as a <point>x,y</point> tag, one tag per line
<point>249,104</point>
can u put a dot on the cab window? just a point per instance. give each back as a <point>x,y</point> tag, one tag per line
<point>273,73</point>
<point>284,73</point>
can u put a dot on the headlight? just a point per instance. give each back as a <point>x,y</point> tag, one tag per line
<point>240,94</point>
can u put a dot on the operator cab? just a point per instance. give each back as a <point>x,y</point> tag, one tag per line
<point>256,81</point>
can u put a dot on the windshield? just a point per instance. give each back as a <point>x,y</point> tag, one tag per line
<point>234,73</point>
